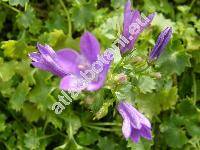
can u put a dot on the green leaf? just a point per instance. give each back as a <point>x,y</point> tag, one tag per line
<point>56,21</point>
<point>31,113</point>
<point>40,94</point>
<point>143,144</point>
<point>106,144</point>
<point>175,137</point>
<point>97,100</point>
<point>28,19</point>
<point>58,40</point>
<point>18,98</point>
<point>108,29</point>
<point>2,19</point>
<point>103,111</point>
<point>6,88</point>
<point>15,49</point>
<point>125,92</point>
<point>191,117</point>
<point>186,108</point>
<point>155,5</point>
<point>161,22</point>
<point>174,60</point>
<point>23,68</point>
<point>83,14</point>
<point>7,70</point>
<point>18,2</point>
<point>54,119</point>
<point>32,139</point>
<point>198,89</point>
<point>146,84</point>
<point>117,3</point>
<point>153,103</point>
<point>73,122</point>
<point>184,9</point>
<point>2,122</point>
<point>87,138</point>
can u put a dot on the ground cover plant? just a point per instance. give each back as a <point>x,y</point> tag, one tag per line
<point>155,77</point>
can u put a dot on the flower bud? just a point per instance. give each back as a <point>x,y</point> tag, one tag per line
<point>121,78</point>
<point>137,59</point>
<point>156,75</point>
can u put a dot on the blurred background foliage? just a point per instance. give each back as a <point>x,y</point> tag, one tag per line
<point>171,101</point>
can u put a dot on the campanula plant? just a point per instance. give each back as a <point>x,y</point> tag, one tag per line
<point>69,66</point>
<point>80,97</point>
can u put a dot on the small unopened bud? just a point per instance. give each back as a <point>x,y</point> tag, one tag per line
<point>137,59</point>
<point>121,78</point>
<point>156,75</point>
<point>89,100</point>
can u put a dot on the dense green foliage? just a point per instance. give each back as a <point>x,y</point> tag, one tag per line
<point>91,121</point>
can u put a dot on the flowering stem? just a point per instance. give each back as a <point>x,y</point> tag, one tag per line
<point>13,8</point>
<point>194,87</point>
<point>68,18</point>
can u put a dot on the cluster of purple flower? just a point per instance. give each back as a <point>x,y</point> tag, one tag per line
<point>71,66</point>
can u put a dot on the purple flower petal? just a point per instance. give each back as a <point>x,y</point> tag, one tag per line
<point>129,17</point>
<point>89,47</point>
<point>161,42</point>
<point>69,60</point>
<point>144,120</point>
<point>146,132</point>
<point>47,60</point>
<point>150,17</point>
<point>126,127</point>
<point>71,83</point>
<point>46,50</point>
<point>132,112</point>
<point>35,56</point>
<point>134,123</point>
<point>133,18</point>
<point>53,65</point>
<point>95,85</point>
<point>40,66</point>
<point>135,135</point>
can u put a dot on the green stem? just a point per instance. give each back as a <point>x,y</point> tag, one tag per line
<point>194,87</point>
<point>77,1</point>
<point>62,134</point>
<point>105,124</point>
<point>68,18</point>
<point>45,125</point>
<point>101,128</point>
<point>144,69</point>
<point>118,64</point>
<point>12,8</point>
<point>192,3</point>
<point>5,145</point>
<point>47,136</point>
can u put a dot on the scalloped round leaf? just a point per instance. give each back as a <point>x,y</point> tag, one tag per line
<point>174,60</point>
